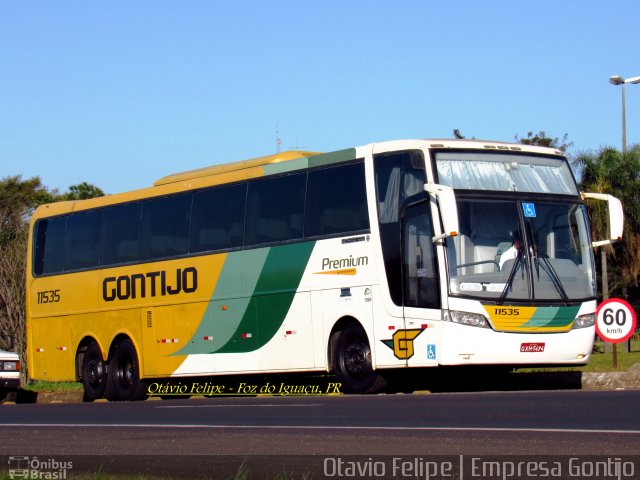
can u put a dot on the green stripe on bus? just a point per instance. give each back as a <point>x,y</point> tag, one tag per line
<point>310,162</point>
<point>552,317</point>
<point>283,167</point>
<point>229,301</point>
<point>272,297</point>
<point>332,157</point>
<point>243,322</point>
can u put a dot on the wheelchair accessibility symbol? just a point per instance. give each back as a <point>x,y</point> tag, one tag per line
<point>529,210</point>
<point>431,352</point>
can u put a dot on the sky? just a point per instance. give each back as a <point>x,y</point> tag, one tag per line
<point>119,94</point>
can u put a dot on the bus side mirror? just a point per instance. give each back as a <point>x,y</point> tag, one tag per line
<point>448,209</point>
<point>616,217</point>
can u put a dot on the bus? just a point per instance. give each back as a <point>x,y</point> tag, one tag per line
<point>360,262</point>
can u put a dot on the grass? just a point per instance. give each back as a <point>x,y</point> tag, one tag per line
<point>603,362</point>
<point>43,386</point>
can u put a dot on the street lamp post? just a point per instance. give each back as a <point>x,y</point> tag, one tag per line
<point>618,80</point>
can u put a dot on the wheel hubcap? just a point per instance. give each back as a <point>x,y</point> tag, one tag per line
<point>356,359</point>
<point>95,372</point>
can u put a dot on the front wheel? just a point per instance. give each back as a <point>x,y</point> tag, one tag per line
<point>352,362</point>
<point>124,374</point>
<point>94,373</point>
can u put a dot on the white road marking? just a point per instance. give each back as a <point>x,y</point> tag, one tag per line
<point>319,427</point>
<point>243,406</point>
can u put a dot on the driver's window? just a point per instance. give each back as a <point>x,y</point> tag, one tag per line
<point>419,265</point>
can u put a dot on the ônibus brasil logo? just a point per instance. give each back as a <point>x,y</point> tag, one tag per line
<point>38,468</point>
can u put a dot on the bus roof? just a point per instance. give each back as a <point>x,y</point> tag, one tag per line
<point>233,167</point>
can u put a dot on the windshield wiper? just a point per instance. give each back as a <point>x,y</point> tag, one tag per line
<point>512,274</point>
<point>546,266</point>
<point>553,275</point>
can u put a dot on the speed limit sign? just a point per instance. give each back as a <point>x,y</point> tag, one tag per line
<point>615,320</point>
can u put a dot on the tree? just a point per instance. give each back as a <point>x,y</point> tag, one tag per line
<point>608,171</point>
<point>542,140</point>
<point>82,191</point>
<point>18,199</point>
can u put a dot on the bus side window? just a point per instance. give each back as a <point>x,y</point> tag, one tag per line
<point>336,201</point>
<point>165,227</point>
<point>49,248</point>
<point>120,234</point>
<point>82,243</point>
<point>399,175</point>
<point>217,219</point>
<point>274,209</point>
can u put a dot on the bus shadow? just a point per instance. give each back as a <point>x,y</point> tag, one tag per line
<point>479,379</point>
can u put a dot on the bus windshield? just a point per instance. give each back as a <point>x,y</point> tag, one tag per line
<point>507,172</point>
<point>516,250</point>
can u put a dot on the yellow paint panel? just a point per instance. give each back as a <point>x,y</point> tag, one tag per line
<point>52,351</point>
<point>65,294</point>
<point>234,167</point>
<point>102,305</point>
<point>509,318</point>
<point>512,318</point>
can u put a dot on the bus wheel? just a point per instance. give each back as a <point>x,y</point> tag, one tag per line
<point>124,374</point>
<point>94,373</point>
<point>352,362</point>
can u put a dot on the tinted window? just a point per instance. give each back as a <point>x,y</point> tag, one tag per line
<point>165,227</point>
<point>49,255</point>
<point>336,201</point>
<point>420,273</point>
<point>120,232</point>
<point>399,175</point>
<point>218,218</point>
<point>275,209</point>
<point>82,245</point>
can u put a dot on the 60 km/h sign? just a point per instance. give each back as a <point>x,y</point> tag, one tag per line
<point>615,320</point>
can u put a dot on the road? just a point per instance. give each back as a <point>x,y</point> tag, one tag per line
<point>514,423</point>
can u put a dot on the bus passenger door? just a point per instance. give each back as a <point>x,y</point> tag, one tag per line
<point>420,291</point>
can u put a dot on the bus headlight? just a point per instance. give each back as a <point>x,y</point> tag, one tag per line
<point>466,318</point>
<point>584,321</point>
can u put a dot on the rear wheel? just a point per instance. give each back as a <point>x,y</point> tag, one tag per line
<point>352,362</point>
<point>124,374</point>
<point>94,373</point>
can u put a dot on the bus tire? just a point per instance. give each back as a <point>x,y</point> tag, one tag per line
<point>352,362</point>
<point>94,373</point>
<point>124,374</point>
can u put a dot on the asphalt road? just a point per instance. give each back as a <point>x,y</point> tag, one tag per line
<point>160,433</point>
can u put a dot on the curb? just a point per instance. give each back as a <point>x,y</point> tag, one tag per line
<point>629,380</point>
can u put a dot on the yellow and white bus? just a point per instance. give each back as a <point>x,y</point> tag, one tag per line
<point>399,254</point>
